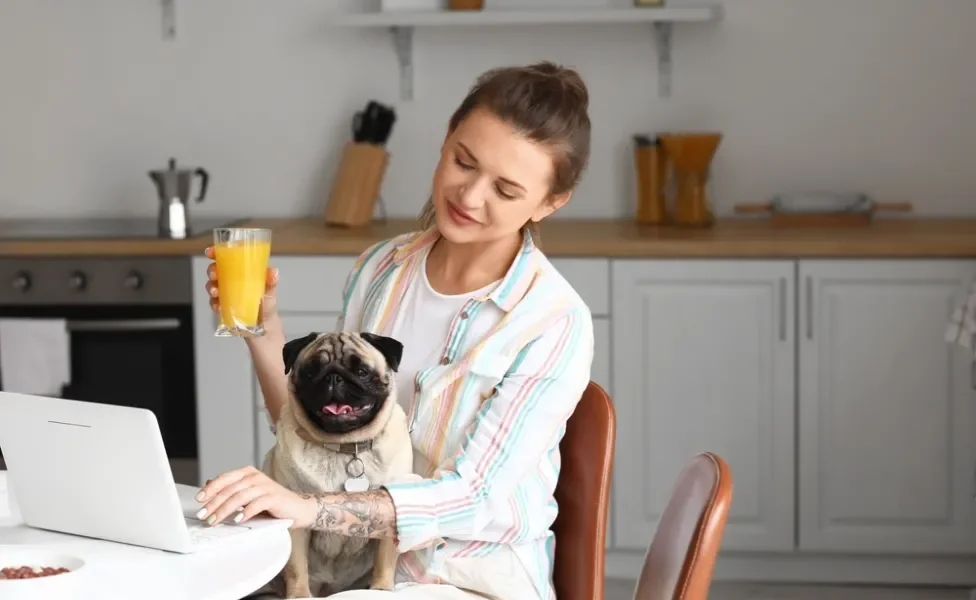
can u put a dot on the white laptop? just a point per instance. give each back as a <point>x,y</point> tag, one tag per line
<point>101,471</point>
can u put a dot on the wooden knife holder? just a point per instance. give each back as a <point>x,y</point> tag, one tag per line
<point>356,186</point>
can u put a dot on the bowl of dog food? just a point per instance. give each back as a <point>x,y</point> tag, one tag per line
<point>38,573</point>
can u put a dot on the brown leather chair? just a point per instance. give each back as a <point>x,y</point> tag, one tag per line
<point>583,495</point>
<point>681,558</point>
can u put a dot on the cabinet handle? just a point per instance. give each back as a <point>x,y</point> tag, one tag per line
<point>809,307</point>
<point>782,309</point>
<point>974,481</point>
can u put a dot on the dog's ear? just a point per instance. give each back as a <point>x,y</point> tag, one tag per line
<point>293,348</point>
<point>391,349</point>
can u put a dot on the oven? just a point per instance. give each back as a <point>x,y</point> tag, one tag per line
<point>130,335</point>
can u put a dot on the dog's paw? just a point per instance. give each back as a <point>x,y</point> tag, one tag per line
<point>298,592</point>
<point>386,586</point>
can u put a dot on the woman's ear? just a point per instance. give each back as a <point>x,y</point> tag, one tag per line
<point>550,205</point>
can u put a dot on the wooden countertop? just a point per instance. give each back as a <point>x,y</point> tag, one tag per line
<point>891,238</point>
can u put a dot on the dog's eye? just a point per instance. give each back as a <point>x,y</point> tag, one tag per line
<point>361,372</point>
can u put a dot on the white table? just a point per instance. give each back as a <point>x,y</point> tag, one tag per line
<point>118,571</point>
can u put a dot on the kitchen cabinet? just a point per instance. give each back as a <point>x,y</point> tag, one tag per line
<point>704,359</point>
<point>887,410</point>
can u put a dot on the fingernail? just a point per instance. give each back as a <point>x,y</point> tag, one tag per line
<point>211,519</point>
<point>239,517</point>
<point>213,292</point>
<point>199,496</point>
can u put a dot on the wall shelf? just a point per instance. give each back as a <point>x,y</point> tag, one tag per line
<point>401,25</point>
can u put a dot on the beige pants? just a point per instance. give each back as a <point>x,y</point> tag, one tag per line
<point>499,576</point>
<point>414,592</point>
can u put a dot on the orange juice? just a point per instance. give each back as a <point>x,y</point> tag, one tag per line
<point>242,268</point>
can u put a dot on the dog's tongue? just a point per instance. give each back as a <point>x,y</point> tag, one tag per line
<point>337,409</point>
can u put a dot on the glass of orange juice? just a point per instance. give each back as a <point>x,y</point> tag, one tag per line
<point>242,257</point>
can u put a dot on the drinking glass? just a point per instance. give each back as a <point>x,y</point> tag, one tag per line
<point>241,255</point>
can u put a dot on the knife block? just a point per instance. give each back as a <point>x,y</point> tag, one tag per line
<point>356,186</point>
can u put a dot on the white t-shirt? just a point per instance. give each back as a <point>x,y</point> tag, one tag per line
<point>422,325</point>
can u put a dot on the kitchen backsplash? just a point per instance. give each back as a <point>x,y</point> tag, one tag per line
<point>869,94</point>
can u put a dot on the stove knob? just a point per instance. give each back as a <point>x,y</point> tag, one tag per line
<point>77,281</point>
<point>21,281</point>
<point>133,280</point>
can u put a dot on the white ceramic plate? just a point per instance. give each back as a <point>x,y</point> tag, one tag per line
<point>61,586</point>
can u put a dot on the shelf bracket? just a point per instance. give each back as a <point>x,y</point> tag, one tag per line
<point>403,44</point>
<point>662,38</point>
<point>169,19</point>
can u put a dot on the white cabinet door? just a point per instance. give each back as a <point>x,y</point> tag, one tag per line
<point>296,326</point>
<point>225,401</point>
<point>590,277</point>
<point>887,413</point>
<point>704,359</point>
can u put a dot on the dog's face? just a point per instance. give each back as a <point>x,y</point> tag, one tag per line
<point>342,380</point>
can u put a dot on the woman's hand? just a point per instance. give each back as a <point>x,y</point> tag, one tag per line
<point>269,305</point>
<point>242,493</point>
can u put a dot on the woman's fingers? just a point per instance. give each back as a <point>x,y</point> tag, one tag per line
<point>211,285</point>
<point>271,281</point>
<point>211,511</point>
<point>256,507</point>
<point>234,505</point>
<point>209,252</point>
<point>215,485</point>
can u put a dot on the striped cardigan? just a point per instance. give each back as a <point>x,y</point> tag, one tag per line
<point>485,421</point>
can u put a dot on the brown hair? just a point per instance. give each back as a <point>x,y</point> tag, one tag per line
<point>547,104</point>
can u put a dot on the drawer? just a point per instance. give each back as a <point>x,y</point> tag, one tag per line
<point>590,277</point>
<point>311,283</point>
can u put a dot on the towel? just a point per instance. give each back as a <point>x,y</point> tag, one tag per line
<point>35,356</point>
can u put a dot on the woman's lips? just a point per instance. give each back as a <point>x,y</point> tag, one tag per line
<point>459,216</point>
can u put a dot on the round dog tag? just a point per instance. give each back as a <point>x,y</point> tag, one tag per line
<point>357,484</point>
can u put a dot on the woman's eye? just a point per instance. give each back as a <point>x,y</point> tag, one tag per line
<point>464,166</point>
<point>503,194</point>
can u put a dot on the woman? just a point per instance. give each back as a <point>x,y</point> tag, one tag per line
<point>497,352</point>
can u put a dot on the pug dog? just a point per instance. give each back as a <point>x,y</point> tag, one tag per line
<point>341,430</point>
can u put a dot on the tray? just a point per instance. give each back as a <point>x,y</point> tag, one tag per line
<point>828,210</point>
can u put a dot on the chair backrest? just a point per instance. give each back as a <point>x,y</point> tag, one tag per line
<point>583,495</point>
<point>681,558</point>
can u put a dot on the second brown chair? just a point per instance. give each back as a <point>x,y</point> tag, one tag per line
<point>681,559</point>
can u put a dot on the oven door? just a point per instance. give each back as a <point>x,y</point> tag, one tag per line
<point>138,356</point>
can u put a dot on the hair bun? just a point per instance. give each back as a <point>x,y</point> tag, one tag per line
<point>569,78</point>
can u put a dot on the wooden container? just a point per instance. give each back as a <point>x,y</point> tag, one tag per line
<point>690,155</point>
<point>357,184</point>
<point>651,166</point>
<point>466,4</point>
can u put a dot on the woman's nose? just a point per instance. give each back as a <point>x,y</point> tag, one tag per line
<point>472,193</point>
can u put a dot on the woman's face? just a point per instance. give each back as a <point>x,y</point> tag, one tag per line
<point>491,181</point>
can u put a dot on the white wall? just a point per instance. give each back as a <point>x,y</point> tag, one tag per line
<point>871,94</point>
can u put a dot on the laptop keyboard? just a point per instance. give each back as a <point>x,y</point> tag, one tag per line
<point>201,533</point>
